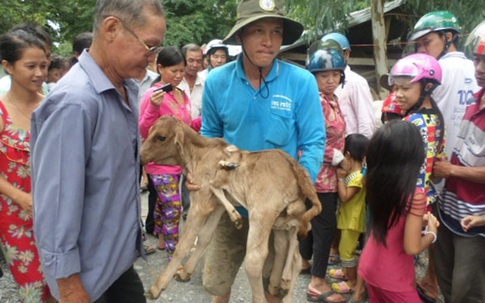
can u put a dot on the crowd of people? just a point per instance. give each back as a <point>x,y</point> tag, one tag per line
<point>71,131</point>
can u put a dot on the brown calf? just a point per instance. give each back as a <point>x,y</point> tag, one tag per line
<point>269,184</point>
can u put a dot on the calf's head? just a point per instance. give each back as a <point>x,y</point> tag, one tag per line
<point>164,144</point>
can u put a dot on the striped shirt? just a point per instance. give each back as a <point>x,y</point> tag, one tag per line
<point>462,197</point>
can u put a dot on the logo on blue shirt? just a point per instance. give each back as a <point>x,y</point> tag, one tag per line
<point>280,102</point>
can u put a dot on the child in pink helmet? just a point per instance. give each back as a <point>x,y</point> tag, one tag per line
<point>414,78</point>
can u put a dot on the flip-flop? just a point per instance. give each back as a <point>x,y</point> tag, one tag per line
<point>337,274</point>
<point>423,296</point>
<point>333,259</point>
<point>321,298</point>
<point>160,248</point>
<point>148,249</point>
<point>341,287</point>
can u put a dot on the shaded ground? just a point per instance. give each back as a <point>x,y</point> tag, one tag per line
<point>177,292</point>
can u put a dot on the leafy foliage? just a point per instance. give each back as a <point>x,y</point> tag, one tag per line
<point>63,19</point>
<point>15,12</point>
<point>323,16</point>
<point>320,16</point>
<point>469,12</point>
<point>198,21</point>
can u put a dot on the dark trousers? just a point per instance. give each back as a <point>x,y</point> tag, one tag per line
<point>127,289</point>
<point>460,267</point>
<point>152,200</point>
<point>185,198</point>
<point>319,239</point>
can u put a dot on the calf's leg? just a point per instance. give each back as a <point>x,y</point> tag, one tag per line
<point>205,236</point>
<point>256,253</point>
<point>231,210</point>
<point>196,219</point>
<point>280,244</point>
<point>287,278</point>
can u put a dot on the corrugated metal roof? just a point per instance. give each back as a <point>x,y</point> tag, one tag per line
<point>355,18</point>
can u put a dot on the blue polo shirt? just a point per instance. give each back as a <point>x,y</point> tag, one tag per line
<point>85,165</point>
<point>284,114</point>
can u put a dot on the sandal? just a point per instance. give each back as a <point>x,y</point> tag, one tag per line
<point>423,296</point>
<point>148,249</point>
<point>321,298</point>
<point>337,274</point>
<point>333,259</point>
<point>341,287</point>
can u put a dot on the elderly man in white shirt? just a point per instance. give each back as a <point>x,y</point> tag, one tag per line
<point>193,84</point>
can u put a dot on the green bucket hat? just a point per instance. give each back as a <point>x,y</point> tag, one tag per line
<point>249,11</point>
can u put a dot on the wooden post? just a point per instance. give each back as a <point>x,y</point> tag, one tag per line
<point>379,35</point>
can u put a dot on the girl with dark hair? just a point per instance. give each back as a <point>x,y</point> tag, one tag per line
<point>397,213</point>
<point>24,57</point>
<point>164,98</point>
<point>415,77</point>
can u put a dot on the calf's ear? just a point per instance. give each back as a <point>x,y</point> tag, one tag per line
<point>179,140</point>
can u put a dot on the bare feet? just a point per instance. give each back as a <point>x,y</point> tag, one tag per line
<point>306,267</point>
<point>161,242</point>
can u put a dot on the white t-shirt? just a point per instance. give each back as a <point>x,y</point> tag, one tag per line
<point>457,88</point>
<point>355,101</point>
<point>145,84</point>
<point>195,96</point>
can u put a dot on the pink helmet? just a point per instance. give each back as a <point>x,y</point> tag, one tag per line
<point>417,66</point>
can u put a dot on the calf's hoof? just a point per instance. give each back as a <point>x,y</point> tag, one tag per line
<point>282,293</point>
<point>277,292</point>
<point>182,276</point>
<point>153,293</point>
<point>273,290</point>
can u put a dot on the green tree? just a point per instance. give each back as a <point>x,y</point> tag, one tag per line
<point>320,17</point>
<point>469,12</point>
<point>15,12</point>
<point>323,16</point>
<point>63,19</point>
<point>198,21</point>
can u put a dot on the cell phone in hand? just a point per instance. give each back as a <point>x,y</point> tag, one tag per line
<point>166,88</point>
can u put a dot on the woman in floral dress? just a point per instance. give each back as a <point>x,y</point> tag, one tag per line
<point>24,57</point>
